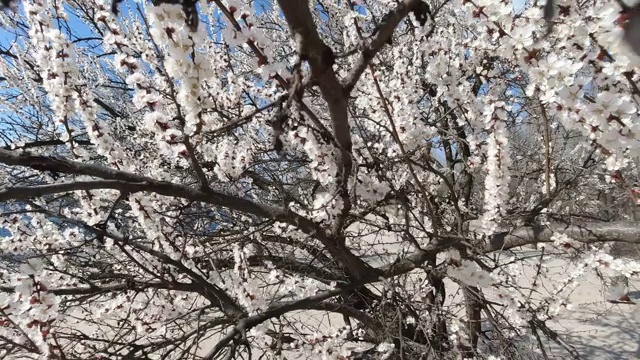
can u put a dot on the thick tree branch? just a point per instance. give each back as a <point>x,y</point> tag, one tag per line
<point>28,192</point>
<point>143,183</point>
<point>385,32</point>
<point>321,58</point>
<point>628,232</point>
<point>45,163</point>
<point>43,143</point>
<point>104,289</point>
<point>262,59</point>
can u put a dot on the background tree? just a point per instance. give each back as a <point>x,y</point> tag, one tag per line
<point>224,187</point>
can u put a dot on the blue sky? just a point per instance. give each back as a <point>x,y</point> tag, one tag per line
<point>127,9</point>
<point>518,5</point>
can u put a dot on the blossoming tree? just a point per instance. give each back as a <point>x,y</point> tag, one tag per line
<point>220,179</point>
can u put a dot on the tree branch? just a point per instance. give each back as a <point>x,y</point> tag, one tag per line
<point>385,32</point>
<point>28,192</point>
<point>45,163</point>
<point>321,59</point>
<point>42,143</point>
<point>628,232</point>
<point>96,290</point>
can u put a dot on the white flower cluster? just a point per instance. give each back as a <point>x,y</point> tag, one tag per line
<point>53,56</point>
<point>620,266</point>
<point>470,274</point>
<point>243,286</point>
<point>231,158</point>
<point>498,176</point>
<point>563,241</point>
<point>27,316</point>
<point>371,189</point>
<point>181,59</point>
<point>323,157</point>
<point>326,207</point>
<point>68,92</point>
